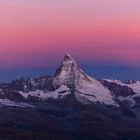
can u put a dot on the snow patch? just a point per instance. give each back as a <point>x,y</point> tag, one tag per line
<point>94,91</point>
<point>61,92</point>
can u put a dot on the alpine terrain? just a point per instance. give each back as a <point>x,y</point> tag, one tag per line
<point>70,105</point>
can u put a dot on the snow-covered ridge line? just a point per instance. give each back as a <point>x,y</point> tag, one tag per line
<point>134,86</point>
<point>59,93</point>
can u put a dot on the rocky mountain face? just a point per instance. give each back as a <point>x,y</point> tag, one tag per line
<point>118,89</point>
<point>125,92</point>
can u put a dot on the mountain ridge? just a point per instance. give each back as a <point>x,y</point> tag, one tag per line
<point>68,79</point>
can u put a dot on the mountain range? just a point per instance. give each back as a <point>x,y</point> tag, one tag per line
<point>70,105</point>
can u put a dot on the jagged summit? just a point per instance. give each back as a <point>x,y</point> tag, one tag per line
<point>67,65</point>
<point>65,74</point>
<point>69,59</point>
<point>69,73</point>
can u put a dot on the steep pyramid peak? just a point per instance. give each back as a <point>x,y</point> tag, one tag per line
<point>66,72</point>
<point>85,88</point>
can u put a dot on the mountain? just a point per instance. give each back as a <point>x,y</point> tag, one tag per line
<point>71,83</point>
<point>69,79</point>
<point>85,89</point>
<point>70,105</point>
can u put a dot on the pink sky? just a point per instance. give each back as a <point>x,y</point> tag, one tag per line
<point>36,32</point>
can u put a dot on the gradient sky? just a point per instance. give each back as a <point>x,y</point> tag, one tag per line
<point>40,32</point>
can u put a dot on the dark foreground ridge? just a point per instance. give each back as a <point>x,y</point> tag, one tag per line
<point>70,105</point>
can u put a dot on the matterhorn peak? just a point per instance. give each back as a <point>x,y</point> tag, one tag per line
<point>85,88</point>
<point>68,65</point>
<point>65,74</point>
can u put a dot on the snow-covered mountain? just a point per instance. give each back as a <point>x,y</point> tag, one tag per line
<point>70,105</point>
<point>71,81</point>
<point>83,87</point>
